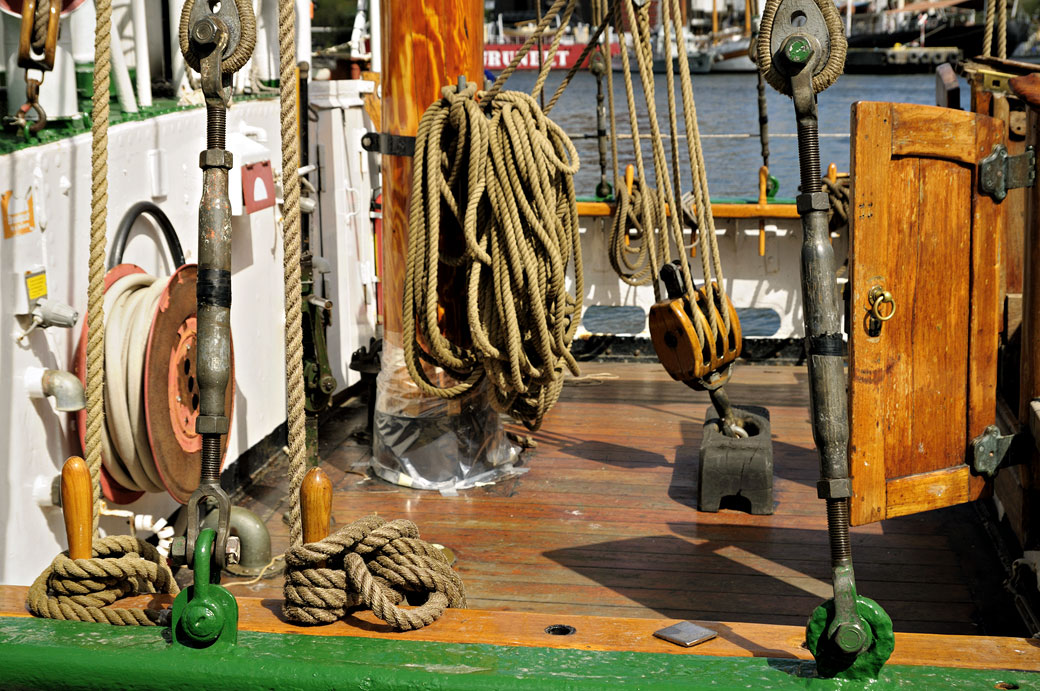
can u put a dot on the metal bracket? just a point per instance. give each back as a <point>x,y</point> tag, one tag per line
<point>990,451</point>
<point>1000,172</point>
<point>389,144</point>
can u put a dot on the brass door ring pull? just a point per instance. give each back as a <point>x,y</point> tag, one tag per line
<point>877,297</point>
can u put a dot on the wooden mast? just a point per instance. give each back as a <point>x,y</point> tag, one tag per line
<point>426,46</point>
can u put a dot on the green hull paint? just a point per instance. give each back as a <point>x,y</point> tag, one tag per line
<point>43,654</point>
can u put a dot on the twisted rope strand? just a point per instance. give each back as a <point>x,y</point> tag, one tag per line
<point>374,564</point>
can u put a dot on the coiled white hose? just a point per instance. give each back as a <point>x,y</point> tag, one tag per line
<point>130,306</point>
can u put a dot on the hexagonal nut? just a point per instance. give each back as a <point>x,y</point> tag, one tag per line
<point>233,551</point>
<point>834,488</point>
<point>179,550</point>
<point>216,158</point>
<point>211,424</point>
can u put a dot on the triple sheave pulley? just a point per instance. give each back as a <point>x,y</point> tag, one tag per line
<point>695,331</point>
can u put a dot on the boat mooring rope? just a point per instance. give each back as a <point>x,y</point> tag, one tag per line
<point>81,589</point>
<point>374,564</point>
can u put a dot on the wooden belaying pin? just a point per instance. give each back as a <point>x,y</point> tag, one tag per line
<point>316,505</point>
<point>763,199</point>
<point>76,506</point>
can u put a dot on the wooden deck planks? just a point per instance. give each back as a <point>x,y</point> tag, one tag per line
<point>604,522</point>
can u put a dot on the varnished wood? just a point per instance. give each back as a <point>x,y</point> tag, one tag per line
<point>316,505</point>
<point>720,210</point>
<point>605,521</point>
<point>924,385</point>
<point>735,639</point>
<point>77,507</point>
<point>426,45</point>
<point>1022,483</point>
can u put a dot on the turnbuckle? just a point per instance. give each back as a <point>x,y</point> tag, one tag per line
<point>848,634</point>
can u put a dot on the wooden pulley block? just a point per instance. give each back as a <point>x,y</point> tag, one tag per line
<point>674,333</point>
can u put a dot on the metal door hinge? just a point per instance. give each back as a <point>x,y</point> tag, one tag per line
<point>1000,172</point>
<point>390,144</point>
<point>992,451</point>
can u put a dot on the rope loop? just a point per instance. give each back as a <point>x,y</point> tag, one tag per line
<point>374,564</point>
<point>831,70</point>
<point>242,52</point>
<point>83,589</point>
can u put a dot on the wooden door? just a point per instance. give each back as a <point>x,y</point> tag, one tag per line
<point>924,384</point>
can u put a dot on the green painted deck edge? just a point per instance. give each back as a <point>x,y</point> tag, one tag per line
<point>44,654</point>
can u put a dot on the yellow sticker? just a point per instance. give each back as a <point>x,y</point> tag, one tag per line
<point>36,284</point>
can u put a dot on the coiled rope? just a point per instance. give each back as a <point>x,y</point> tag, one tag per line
<point>374,564</point>
<point>835,64</point>
<point>507,183</point>
<point>82,589</point>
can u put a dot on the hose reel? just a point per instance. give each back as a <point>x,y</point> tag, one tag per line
<point>149,442</point>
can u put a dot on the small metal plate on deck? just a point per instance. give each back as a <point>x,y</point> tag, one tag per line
<point>686,634</point>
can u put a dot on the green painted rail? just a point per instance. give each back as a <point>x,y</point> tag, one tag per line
<point>44,654</point>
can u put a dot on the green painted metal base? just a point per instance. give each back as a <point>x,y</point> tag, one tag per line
<point>205,614</point>
<point>831,661</point>
<point>45,654</point>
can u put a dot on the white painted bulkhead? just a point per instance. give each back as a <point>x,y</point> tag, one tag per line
<point>157,160</point>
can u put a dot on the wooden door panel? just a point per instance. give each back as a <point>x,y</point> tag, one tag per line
<point>923,386</point>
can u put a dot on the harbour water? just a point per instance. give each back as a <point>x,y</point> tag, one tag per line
<point>726,104</point>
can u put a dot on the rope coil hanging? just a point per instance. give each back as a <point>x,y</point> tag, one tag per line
<point>374,564</point>
<point>507,185</point>
<point>491,169</point>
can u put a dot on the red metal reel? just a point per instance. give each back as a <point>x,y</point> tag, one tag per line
<point>14,7</point>
<point>112,490</point>
<point>171,391</point>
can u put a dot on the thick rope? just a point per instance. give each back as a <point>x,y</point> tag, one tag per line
<point>987,36</point>
<point>82,589</point>
<point>507,185</point>
<point>835,61</point>
<point>247,39</point>
<point>41,17</point>
<point>373,564</point>
<point>98,231</point>
<point>291,244</point>
<point>638,266</point>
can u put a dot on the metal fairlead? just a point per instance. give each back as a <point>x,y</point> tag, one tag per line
<point>848,635</point>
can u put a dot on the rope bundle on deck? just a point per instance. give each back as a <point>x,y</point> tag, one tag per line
<point>82,589</point>
<point>374,564</point>
<point>494,173</point>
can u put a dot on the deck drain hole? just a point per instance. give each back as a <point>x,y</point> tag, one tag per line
<point>1005,685</point>
<point>561,630</point>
